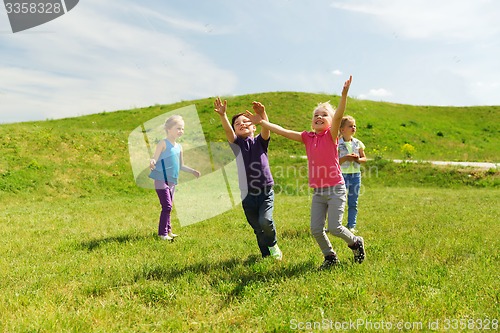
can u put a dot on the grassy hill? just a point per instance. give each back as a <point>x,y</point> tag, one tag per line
<point>79,252</point>
<point>52,156</point>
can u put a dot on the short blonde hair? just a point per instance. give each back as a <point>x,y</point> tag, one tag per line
<point>345,119</point>
<point>172,121</point>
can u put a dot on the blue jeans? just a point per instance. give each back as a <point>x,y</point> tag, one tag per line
<point>258,207</point>
<point>353,184</point>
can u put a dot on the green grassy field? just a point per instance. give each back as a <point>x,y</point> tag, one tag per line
<point>94,264</point>
<point>79,252</point>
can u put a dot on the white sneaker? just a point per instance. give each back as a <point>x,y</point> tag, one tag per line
<point>276,252</point>
<point>172,235</point>
<point>166,237</point>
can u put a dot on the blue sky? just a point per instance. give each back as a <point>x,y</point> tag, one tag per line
<point>115,55</point>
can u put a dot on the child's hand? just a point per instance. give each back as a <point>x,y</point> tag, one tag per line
<point>220,107</point>
<point>196,173</point>
<point>258,108</point>
<point>352,157</point>
<point>152,164</point>
<point>347,84</point>
<point>254,118</point>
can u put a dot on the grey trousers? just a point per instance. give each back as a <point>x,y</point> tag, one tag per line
<point>329,201</point>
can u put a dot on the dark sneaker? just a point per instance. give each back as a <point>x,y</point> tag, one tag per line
<point>358,249</point>
<point>329,262</point>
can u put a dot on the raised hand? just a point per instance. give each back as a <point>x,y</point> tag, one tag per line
<point>258,108</point>
<point>347,84</point>
<point>254,118</point>
<point>220,107</point>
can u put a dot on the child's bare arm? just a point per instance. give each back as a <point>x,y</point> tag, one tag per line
<point>159,148</point>
<point>220,108</point>
<point>339,113</point>
<point>362,156</point>
<point>348,157</point>
<point>257,120</point>
<point>185,168</point>
<point>260,109</point>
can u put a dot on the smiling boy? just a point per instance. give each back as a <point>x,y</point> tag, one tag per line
<point>256,182</point>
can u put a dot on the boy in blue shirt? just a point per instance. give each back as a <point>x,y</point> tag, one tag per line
<point>256,181</point>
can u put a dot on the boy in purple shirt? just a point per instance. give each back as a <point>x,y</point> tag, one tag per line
<point>256,181</point>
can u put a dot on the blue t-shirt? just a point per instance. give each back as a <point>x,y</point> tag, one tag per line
<point>256,163</point>
<point>168,164</point>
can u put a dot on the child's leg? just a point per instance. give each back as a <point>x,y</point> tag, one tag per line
<point>169,222</point>
<point>165,194</point>
<point>318,216</point>
<point>251,208</point>
<point>353,185</point>
<point>266,222</point>
<point>336,205</point>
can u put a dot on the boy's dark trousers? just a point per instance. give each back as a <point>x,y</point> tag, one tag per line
<point>258,206</point>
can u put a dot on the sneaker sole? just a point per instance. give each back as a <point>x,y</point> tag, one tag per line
<point>360,259</point>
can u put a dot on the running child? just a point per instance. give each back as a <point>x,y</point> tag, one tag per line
<point>165,166</point>
<point>325,176</point>
<point>256,181</point>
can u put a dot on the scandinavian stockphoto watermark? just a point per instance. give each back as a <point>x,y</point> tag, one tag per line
<point>223,182</point>
<point>25,15</point>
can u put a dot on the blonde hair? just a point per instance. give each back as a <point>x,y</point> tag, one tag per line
<point>345,119</point>
<point>343,122</point>
<point>172,121</point>
<point>326,106</point>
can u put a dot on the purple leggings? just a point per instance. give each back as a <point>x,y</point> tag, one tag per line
<point>166,195</point>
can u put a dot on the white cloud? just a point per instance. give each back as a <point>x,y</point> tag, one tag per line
<point>450,19</point>
<point>156,19</point>
<point>109,56</point>
<point>92,60</point>
<point>376,94</point>
<point>307,81</point>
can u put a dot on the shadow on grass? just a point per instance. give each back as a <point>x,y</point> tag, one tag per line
<point>231,277</point>
<point>95,244</point>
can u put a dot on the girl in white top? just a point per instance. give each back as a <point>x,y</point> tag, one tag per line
<point>351,155</point>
